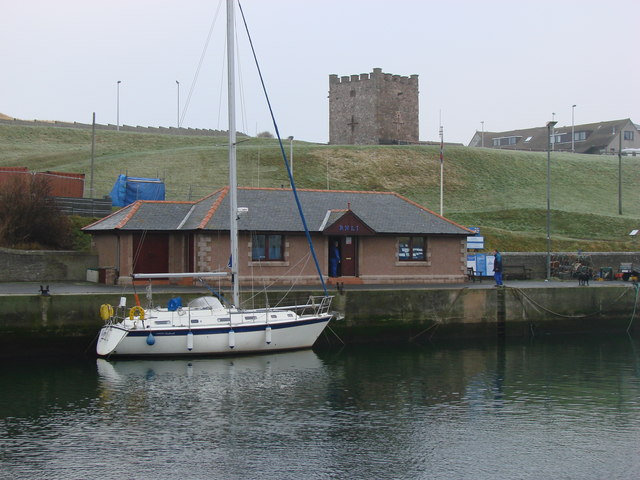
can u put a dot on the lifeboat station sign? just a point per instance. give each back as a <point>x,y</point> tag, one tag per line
<point>349,224</point>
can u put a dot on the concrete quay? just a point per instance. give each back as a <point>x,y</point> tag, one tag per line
<point>66,320</point>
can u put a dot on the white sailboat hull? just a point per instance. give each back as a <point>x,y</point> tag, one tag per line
<point>198,332</point>
<point>210,341</point>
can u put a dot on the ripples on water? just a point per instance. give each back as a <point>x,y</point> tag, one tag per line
<point>545,410</point>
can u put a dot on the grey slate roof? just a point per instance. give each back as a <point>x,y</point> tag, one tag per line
<point>274,210</point>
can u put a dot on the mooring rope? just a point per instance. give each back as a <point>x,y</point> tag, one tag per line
<point>545,309</point>
<point>437,323</point>
<point>336,335</point>
<point>635,304</point>
<point>295,281</point>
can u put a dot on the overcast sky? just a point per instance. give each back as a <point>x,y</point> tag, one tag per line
<point>509,64</point>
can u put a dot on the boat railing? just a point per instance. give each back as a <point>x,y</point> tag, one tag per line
<point>316,305</point>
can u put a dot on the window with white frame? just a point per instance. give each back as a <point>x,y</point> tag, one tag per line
<point>411,249</point>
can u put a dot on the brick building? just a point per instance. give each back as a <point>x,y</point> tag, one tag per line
<point>373,109</point>
<point>382,238</point>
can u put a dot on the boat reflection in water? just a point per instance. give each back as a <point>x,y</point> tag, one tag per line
<point>116,370</point>
<point>216,376</point>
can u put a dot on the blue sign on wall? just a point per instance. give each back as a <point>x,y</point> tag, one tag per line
<point>481,263</point>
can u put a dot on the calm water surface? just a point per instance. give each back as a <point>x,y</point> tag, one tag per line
<point>554,408</point>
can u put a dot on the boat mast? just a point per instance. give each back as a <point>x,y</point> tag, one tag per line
<point>233,181</point>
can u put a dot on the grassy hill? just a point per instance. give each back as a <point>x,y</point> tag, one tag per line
<point>503,193</point>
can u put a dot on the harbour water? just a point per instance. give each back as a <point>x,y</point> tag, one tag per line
<point>546,408</point>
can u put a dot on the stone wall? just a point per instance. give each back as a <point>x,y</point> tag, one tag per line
<point>420,315</point>
<point>122,128</point>
<point>44,265</point>
<point>48,266</point>
<point>68,324</point>
<point>563,262</point>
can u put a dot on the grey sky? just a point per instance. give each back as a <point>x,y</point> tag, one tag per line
<point>510,64</point>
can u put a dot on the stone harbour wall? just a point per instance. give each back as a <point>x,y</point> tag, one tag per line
<point>69,323</point>
<point>45,265</point>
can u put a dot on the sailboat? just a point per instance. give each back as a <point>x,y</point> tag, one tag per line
<point>205,326</point>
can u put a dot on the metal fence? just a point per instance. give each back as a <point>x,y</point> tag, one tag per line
<point>84,207</point>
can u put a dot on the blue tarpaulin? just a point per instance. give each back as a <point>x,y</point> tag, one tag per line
<point>127,190</point>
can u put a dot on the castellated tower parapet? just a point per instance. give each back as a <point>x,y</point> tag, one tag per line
<point>373,108</point>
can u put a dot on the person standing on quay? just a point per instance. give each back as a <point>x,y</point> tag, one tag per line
<point>334,259</point>
<point>497,268</point>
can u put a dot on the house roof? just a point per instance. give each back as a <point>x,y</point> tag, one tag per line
<point>597,137</point>
<point>274,210</point>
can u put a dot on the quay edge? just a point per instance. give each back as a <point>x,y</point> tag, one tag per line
<point>33,324</point>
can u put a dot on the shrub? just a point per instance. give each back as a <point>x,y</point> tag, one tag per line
<point>29,216</point>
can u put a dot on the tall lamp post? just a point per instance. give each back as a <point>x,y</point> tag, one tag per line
<point>441,170</point>
<point>482,137</point>
<point>550,126</point>
<point>178,84</point>
<point>573,133</point>
<point>291,154</point>
<point>118,105</point>
<point>620,173</point>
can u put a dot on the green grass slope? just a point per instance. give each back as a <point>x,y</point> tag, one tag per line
<point>502,192</point>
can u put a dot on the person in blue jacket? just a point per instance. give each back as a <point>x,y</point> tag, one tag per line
<point>334,259</point>
<point>497,268</point>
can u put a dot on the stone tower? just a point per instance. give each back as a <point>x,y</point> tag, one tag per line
<point>373,108</point>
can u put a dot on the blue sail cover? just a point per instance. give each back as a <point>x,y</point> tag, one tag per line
<point>127,190</point>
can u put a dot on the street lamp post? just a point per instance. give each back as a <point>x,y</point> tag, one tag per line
<point>482,137</point>
<point>573,133</point>
<point>291,154</point>
<point>620,173</point>
<point>550,126</point>
<point>441,169</point>
<point>118,105</point>
<point>178,84</point>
